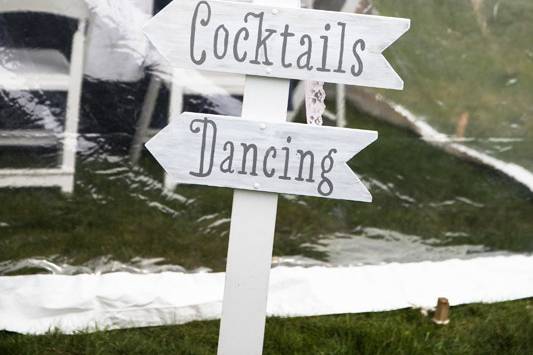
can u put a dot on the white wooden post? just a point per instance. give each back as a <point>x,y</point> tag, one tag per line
<point>253,220</point>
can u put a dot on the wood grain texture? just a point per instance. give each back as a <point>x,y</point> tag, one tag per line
<point>263,158</point>
<point>185,33</point>
<point>251,239</point>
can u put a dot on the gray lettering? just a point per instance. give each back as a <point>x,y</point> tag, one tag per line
<point>236,44</point>
<point>204,22</point>
<point>359,70</point>
<point>285,34</point>
<point>261,38</point>
<point>226,39</point>
<point>305,55</point>
<point>265,161</point>
<point>285,175</point>
<point>303,155</point>
<point>229,159</point>
<point>324,51</point>
<point>341,49</point>
<point>206,122</point>
<point>246,149</point>
<point>325,170</point>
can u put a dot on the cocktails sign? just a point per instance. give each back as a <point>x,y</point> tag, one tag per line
<point>278,42</point>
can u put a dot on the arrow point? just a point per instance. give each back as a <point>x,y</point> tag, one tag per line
<point>367,196</point>
<point>360,193</point>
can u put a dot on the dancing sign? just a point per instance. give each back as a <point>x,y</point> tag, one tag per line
<point>273,157</point>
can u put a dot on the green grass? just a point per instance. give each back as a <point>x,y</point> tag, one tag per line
<point>119,210</point>
<point>455,59</point>
<point>503,328</point>
<point>458,58</point>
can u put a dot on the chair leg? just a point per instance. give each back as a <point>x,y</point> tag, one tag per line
<point>67,184</point>
<point>298,100</point>
<point>141,130</point>
<point>70,141</point>
<point>175,108</point>
<point>341,105</point>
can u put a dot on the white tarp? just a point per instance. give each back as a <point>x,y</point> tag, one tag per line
<point>117,48</point>
<point>37,303</point>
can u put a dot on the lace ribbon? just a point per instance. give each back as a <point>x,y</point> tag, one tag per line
<point>314,102</point>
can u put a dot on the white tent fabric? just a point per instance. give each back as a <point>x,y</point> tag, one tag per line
<point>36,304</point>
<point>117,48</point>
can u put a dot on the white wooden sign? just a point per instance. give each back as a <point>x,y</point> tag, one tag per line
<point>273,157</point>
<point>270,40</point>
<point>278,42</point>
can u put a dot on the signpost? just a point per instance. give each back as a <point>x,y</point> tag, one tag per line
<point>260,154</point>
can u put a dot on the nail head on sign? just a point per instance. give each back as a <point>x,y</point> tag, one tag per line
<point>256,186</point>
<point>263,126</point>
<point>275,11</point>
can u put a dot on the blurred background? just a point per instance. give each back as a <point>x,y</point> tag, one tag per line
<point>451,175</point>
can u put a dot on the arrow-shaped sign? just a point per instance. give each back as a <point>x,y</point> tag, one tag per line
<point>291,43</point>
<point>274,157</point>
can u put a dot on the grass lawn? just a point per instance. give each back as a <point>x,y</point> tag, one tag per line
<point>502,328</point>
<point>121,210</point>
<point>455,59</point>
<point>458,59</point>
<point>471,59</point>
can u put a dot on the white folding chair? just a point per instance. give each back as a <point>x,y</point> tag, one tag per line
<point>46,70</point>
<point>182,82</point>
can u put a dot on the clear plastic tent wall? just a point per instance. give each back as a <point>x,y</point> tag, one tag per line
<point>451,175</point>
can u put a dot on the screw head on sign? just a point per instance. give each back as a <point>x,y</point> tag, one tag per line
<point>256,186</point>
<point>275,11</point>
<point>263,126</point>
